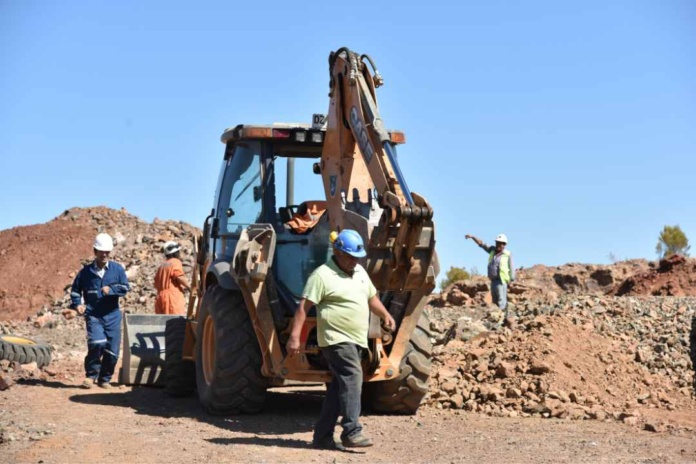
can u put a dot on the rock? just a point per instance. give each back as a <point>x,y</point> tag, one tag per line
<point>458,298</point>
<point>4,384</point>
<point>457,401</point>
<point>47,321</point>
<point>449,386</point>
<point>539,368</point>
<point>654,426</point>
<point>504,370</point>
<point>444,374</point>
<point>467,329</point>
<point>598,414</point>
<point>69,314</point>
<point>30,367</point>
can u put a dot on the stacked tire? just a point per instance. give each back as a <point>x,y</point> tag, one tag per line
<point>24,350</point>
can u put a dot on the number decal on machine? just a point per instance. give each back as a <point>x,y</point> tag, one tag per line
<point>319,121</point>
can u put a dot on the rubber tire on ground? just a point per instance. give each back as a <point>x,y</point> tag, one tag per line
<point>179,374</point>
<point>236,385</point>
<point>24,350</point>
<point>404,394</point>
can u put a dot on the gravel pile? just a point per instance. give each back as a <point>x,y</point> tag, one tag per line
<point>581,357</point>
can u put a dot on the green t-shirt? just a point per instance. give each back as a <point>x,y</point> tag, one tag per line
<point>343,314</point>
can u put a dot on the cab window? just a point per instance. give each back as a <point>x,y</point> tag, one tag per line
<point>241,194</point>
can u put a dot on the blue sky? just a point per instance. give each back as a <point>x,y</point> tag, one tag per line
<point>570,127</point>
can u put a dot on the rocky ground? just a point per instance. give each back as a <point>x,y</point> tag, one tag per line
<point>598,367</point>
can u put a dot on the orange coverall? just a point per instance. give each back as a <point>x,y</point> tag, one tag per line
<point>170,293</point>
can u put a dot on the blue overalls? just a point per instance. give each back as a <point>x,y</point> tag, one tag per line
<point>102,316</point>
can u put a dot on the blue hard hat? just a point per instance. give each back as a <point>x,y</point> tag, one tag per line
<point>350,242</point>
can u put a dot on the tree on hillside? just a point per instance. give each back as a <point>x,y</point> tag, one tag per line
<point>672,241</point>
<point>454,274</point>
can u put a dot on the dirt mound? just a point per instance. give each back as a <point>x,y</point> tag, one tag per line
<point>673,276</point>
<point>580,358</point>
<point>39,262</point>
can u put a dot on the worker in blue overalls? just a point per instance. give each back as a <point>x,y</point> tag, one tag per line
<point>100,284</point>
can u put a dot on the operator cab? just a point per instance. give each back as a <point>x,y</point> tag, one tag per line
<point>272,175</point>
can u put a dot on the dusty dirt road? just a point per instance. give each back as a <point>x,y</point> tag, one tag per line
<point>56,421</point>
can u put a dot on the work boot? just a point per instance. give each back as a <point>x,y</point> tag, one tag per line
<point>328,444</point>
<point>88,383</point>
<point>105,385</point>
<point>356,441</point>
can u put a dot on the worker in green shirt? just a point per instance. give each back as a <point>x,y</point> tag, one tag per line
<point>344,296</point>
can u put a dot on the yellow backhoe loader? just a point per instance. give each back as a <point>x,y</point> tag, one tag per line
<point>269,229</point>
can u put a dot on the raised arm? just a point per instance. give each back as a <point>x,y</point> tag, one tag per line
<point>475,239</point>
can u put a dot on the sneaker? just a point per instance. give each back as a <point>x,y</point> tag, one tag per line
<point>88,383</point>
<point>105,385</point>
<point>328,444</point>
<point>356,441</point>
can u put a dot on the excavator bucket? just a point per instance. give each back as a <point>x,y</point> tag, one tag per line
<point>143,349</point>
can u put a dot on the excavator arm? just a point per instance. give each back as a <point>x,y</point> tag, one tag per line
<point>359,158</point>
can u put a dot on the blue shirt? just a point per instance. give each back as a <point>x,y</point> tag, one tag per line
<point>88,286</point>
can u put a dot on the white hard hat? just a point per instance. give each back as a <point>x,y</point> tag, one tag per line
<point>502,238</point>
<point>171,247</point>
<point>103,242</point>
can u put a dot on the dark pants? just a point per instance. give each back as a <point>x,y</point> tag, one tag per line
<point>103,344</point>
<point>343,393</point>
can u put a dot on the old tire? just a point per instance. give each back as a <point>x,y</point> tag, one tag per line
<point>404,394</point>
<point>179,374</point>
<point>24,350</point>
<point>228,356</point>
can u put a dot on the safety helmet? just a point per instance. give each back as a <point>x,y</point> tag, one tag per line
<point>103,242</point>
<point>350,242</point>
<point>502,238</point>
<point>171,247</point>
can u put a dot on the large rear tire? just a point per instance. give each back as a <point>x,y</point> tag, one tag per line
<point>24,350</point>
<point>404,394</point>
<point>179,373</point>
<point>228,356</point>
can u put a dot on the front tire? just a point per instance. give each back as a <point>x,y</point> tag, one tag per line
<point>404,394</point>
<point>228,356</point>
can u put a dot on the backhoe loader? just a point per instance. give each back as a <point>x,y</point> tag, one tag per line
<point>270,228</point>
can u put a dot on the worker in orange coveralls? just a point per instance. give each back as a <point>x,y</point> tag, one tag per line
<point>171,283</point>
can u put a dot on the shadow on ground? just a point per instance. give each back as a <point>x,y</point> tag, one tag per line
<point>285,411</point>
<point>48,383</point>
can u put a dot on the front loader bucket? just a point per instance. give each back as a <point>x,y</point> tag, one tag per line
<point>143,349</point>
